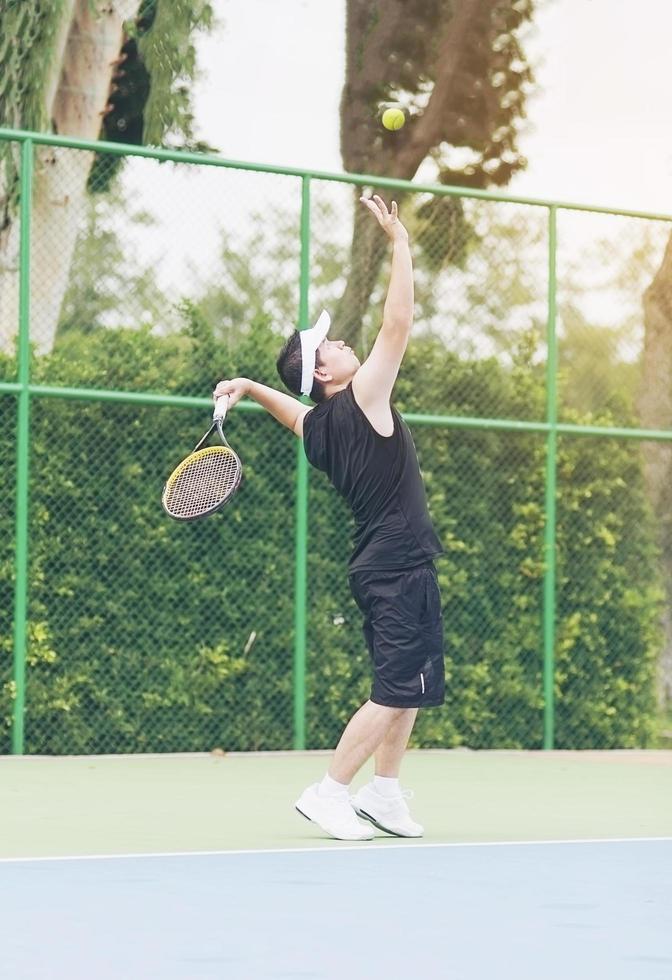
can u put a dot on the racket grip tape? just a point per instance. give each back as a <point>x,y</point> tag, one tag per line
<point>221,406</point>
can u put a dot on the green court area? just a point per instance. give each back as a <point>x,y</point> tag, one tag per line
<point>98,805</point>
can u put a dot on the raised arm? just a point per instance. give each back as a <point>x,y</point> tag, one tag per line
<point>287,410</point>
<point>373,383</point>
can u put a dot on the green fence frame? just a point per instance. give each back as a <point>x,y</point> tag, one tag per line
<point>550,426</point>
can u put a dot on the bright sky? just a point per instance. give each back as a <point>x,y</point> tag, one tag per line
<point>600,127</point>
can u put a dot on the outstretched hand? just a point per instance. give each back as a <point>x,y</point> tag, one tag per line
<point>388,220</point>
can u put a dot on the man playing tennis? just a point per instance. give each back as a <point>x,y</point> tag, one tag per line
<point>360,441</point>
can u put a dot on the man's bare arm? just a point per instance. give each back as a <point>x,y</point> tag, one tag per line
<point>287,410</point>
<point>373,383</point>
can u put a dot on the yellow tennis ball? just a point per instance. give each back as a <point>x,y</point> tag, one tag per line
<point>393,118</point>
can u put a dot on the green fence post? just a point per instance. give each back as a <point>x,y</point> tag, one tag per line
<point>551,482</point>
<point>301,546</point>
<point>22,453</point>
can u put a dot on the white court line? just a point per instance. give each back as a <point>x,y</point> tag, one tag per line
<point>334,848</point>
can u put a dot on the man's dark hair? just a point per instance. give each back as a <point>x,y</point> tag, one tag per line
<point>289,368</point>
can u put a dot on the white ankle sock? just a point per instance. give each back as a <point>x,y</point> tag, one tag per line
<point>330,787</point>
<point>387,785</point>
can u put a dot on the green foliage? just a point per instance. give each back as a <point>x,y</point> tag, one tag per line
<point>7,554</point>
<point>235,301</point>
<point>601,311</point>
<point>147,635</point>
<point>443,234</point>
<point>594,374</point>
<point>139,626</point>
<point>150,101</point>
<point>486,496</point>
<point>27,35</point>
<point>106,272</point>
<point>169,53</point>
<point>602,515</point>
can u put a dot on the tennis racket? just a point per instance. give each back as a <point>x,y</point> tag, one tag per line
<point>207,478</point>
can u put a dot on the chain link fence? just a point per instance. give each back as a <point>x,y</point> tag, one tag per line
<point>145,635</point>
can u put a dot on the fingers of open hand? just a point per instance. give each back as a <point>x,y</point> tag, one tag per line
<point>377,206</point>
<point>382,206</point>
<point>371,205</point>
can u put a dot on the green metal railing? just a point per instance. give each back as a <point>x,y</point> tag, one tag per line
<point>551,468</point>
<point>23,451</point>
<point>26,391</point>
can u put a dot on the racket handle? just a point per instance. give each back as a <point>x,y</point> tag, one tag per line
<point>221,405</point>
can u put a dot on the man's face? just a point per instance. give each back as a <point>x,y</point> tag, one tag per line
<point>337,360</point>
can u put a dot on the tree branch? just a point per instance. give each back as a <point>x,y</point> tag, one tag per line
<point>429,129</point>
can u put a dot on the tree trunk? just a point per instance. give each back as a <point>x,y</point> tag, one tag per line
<point>78,97</point>
<point>9,236</point>
<point>655,411</point>
<point>401,155</point>
<point>9,285</point>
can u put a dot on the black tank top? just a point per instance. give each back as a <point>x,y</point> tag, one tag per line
<point>379,476</point>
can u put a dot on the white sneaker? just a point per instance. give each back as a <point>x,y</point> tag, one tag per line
<point>333,814</point>
<point>390,814</point>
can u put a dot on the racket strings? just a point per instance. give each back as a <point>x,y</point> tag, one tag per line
<point>202,482</point>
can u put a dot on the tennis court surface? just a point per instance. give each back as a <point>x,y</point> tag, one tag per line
<point>550,865</point>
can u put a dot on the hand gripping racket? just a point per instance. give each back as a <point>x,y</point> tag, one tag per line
<point>207,478</point>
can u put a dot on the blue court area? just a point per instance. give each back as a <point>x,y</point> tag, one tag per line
<point>580,910</point>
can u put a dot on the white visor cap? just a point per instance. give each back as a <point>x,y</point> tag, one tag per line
<point>310,341</point>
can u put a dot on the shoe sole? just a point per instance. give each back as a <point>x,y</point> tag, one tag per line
<point>333,836</point>
<point>380,826</point>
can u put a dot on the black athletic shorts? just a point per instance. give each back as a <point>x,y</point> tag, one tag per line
<point>403,628</point>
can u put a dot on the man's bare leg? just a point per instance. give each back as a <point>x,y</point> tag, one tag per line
<point>391,750</point>
<point>363,735</point>
<point>382,801</point>
<point>374,730</point>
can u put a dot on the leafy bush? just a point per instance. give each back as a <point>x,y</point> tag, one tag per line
<point>147,635</point>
